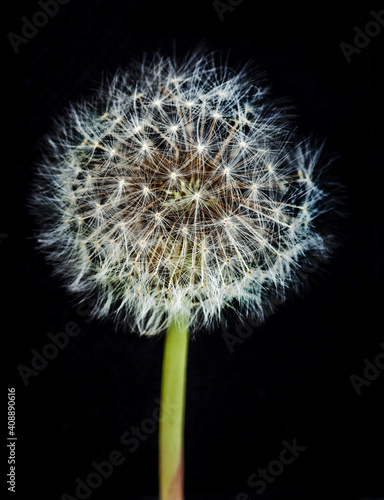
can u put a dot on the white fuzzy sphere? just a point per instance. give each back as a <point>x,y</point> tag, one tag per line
<point>177,190</point>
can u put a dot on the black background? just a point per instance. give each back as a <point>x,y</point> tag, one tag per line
<point>291,377</point>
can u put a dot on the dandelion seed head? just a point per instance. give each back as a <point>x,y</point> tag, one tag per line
<point>168,196</point>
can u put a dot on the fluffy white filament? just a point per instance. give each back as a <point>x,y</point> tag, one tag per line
<point>178,190</point>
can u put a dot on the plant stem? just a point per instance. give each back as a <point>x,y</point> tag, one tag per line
<point>172,409</point>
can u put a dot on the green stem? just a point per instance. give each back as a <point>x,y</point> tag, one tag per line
<point>172,409</point>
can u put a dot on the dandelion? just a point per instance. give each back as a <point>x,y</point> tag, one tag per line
<point>178,190</point>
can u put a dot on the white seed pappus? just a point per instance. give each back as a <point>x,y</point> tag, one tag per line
<point>177,190</point>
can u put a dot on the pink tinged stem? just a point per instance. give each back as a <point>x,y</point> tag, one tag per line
<point>172,411</point>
